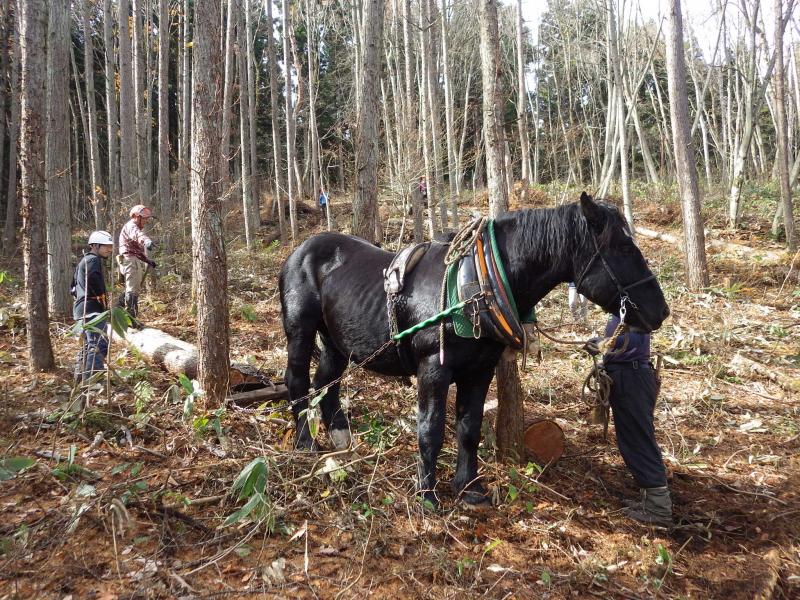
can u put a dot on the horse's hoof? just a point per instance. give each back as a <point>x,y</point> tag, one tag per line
<point>430,503</point>
<point>340,438</point>
<point>475,499</point>
<point>306,445</point>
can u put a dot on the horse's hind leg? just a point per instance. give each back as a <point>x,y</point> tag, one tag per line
<point>332,364</point>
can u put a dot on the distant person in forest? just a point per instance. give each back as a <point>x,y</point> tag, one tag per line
<point>578,305</point>
<point>323,201</point>
<point>633,398</point>
<point>423,189</point>
<point>91,300</point>
<point>133,260</point>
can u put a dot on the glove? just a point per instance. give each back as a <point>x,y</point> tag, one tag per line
<point>593,346</point>
<point>152,263</point>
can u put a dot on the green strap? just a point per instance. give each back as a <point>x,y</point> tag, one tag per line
<point>432,320</point>
<point>530,317</point>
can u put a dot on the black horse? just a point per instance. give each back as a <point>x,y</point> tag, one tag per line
<point>332,285</point>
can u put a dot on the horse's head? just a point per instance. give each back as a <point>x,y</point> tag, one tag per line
<point>610,270</point>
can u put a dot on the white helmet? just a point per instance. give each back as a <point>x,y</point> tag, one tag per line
<point>101,237</point>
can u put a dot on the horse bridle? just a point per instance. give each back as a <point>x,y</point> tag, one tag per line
<point>622,291</point>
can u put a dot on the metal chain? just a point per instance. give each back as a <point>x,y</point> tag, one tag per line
<point>325,387</point>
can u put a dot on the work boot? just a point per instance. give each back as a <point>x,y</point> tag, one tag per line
<point>654,508</point>
<point>132,306</point>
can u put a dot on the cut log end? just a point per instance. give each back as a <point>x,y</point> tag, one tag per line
<point>544,441</point>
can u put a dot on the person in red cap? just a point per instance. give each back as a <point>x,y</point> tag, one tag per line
<point>133,260</point>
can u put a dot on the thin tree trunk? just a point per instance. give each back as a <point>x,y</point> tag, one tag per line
<point>164,191</point>
<point>57,166</point>
<point>695,251</point>
<point>98,201</point>
<point>365,202</point>
<point>614,50</point>
<point>452,179</point>
<point>129,169</point>
<point>33,29</point>
<point>276,130</point>
<point>522,115</point>
<point>311,30</point>
<point>782,135</point>
<point>140,101</point>
<point>251,113</point>
<point>509,421</point>
<point>208,243</point>
<point>227,100</point>
<point>114,183</point>
<point>290,122</point>
<point>250,224</point>
<point>12,200</point>
<point>185,111</point>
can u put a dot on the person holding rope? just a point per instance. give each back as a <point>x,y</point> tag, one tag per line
<point>89,290</point>
<point>633,393</point>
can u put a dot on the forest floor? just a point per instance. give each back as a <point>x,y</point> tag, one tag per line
<point>139,511</point>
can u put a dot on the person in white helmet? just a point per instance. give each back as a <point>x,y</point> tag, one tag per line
<point>133,260</point>
<point>91,300</point>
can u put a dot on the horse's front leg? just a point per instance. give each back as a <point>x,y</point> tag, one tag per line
<point>470,398</point>
<point>433,381</point>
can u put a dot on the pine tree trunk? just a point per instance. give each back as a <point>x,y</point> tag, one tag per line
<point>365,202</point>
<point>33,29</point>
<point>114,184</point>
<point>57,166</point>
<point>782,141</point>
<point>316,167</point>
<point>509,421</point>
<point>95,178</point>
<point>277,144</point>
<point>164,187</point>
<point>128,164</point>
<point>695,251</point>
<point>12,201</point>
<point>208,245</point>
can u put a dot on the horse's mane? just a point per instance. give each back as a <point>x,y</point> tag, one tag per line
<point>553,232</point>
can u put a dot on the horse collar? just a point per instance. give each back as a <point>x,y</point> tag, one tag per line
<point>480,273</point>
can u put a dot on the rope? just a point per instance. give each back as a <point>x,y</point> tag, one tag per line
<point>460,246</point>
<point>598,382</point>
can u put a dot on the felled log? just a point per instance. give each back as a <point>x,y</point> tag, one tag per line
<point>766,256</point>
<point>176,356</point>
<point>742,365</point>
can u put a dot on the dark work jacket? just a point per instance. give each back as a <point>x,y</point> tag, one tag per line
<point>638,347</point>
<point>89,287</point>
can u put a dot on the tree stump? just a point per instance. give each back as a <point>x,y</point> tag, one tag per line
<point>544,441</point>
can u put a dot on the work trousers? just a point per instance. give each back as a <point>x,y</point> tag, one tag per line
<point>633,400</point>
<point>134,271</point>
<point>92,355</point>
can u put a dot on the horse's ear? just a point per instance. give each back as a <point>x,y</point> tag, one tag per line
<point>589,208</point>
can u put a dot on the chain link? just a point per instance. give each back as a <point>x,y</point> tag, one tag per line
<point>325,387</point>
